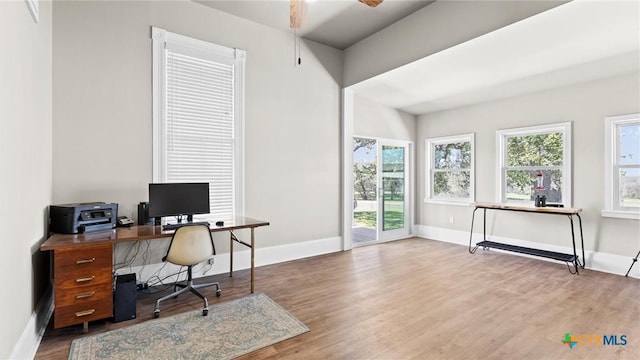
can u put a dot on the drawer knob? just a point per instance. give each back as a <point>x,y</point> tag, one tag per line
<point>85,313</point>
<point>85,295</point>
<point>85,279</point>
<point>85,261</point>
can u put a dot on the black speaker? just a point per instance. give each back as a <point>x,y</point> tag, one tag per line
<point>143,214</point>
<point>124,298</point>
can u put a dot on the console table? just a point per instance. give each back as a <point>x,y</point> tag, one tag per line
<point>83,267</point>
<point>569,212</point>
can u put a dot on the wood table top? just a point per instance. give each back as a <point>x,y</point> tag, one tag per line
<point>536,209</point>
<point>135,233</point>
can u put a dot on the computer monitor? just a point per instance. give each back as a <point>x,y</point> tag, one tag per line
<point>178,199</point>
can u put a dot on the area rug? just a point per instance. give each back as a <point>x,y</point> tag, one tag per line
<point>231,329</point>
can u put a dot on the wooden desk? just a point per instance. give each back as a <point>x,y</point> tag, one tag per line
<point>570,212</point>
<point>83,266</point>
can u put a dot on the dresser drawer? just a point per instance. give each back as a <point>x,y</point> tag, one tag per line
<point>83,294</point>
<point>83,284</point>
<point>80,313</point>
<point>85,278</point>
<point>70,264</point>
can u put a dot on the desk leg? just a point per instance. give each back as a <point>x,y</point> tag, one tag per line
<point>473,216</point>
<point>584,260</point>
<point>484,224</point>
<point>573,240</point>
<point>253,249</point>
<point>230,254</point>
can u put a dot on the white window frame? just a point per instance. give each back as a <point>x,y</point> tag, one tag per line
<point>611,166</point>
<point>203,49</point>
<point>431,170</point>
<point>502,135</point>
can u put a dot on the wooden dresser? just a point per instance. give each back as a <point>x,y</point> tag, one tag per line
<point>83,284</point>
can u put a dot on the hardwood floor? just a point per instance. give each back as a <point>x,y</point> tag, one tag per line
<point>423,299</point>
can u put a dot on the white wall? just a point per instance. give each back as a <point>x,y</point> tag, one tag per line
<point>101,137</point>
<point>25,167</point>
<point>371,119</point>
<point>438,26</point>
<point>102,113</point>
<point>585,105</point>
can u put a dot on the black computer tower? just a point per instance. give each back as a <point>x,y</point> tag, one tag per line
<point>124,298</point>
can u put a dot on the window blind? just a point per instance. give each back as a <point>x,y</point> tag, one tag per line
<point>197,121</point>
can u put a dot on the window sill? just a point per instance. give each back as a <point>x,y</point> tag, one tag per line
<point>621,214</point>
<point>449,202</point>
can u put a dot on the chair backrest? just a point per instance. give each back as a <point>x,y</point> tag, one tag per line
<point>190,245</point>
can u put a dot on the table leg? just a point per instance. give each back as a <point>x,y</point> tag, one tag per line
<point>484,225</point>
<point>584,260</point>
<point>473,216</point>
<point>253,247</point>
<point>230,254</point>
<point>573,240</point>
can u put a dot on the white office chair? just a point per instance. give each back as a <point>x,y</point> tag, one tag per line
<point>190,245</point>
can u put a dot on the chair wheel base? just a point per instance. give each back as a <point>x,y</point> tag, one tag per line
<point>218,293</point>
<point>205,312</point>
<point>156,314</point>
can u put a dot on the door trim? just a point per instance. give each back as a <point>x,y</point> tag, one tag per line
<point>347,169</point>
<point>347,173</point>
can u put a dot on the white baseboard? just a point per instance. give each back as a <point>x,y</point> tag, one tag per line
<point>599,261</point>
<point>27,345</point>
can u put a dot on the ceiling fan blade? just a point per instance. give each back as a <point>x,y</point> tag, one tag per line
<point>297,13</point>
<point>371,3</point>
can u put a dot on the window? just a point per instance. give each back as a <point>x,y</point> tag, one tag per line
<point>198,116</point>
<point>622,166</point>
<point>534,161</point>
<point>450,176</point>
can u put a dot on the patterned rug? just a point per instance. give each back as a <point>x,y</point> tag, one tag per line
<point>231,329</point>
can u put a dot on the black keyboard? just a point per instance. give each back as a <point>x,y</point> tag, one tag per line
<point>179,225</point>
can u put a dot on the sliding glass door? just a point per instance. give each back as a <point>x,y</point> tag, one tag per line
<point>381,190</point>
<point>365,189</point>
<point>394,188</point>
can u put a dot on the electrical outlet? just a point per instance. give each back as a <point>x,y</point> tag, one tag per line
<point>210,261</point>
<point>143,286</point>
<point>452,220</point>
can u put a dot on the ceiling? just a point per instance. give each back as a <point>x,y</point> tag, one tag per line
<point>337,23</point>
<point>575,42</point>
